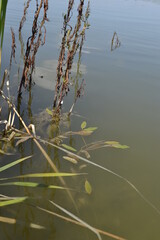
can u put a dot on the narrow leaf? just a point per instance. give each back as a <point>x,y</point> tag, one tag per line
<point>90,129</point>
<point>69,148</point>
<point>116,145</point>
<point>84,133</point>
<point>31,184</point>
<point>41,175</point>
<point>36,226</point>
<point>121,146</point>
<point>13,201</point>
<point>14,163</point>
<point>112,142</point>
<point>72,160</point>
<point>7,220</point>
<point>88,187</point>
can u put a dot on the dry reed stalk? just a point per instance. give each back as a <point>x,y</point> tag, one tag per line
<point>32,45</point>
<point>13,44</point>
<point>24,15</point>
<point>105,233</point>
<point>61,59</point>
<point>72,41</point>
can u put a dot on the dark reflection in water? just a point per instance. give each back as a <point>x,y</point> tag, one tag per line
<point>115,43</point>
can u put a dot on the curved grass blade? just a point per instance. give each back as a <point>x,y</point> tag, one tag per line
<point>13,201</point>
<point>111,235</point>
<point>107,170</point>
<point>77,219</point>
<point>13,163</point>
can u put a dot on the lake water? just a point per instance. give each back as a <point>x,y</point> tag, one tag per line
<point>121,98</point>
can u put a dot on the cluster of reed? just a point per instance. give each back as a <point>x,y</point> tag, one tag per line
<point>72,41</point>
<point>36,39</point>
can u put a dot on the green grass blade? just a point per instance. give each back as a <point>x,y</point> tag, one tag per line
<point>32,184</point>
<point>44,175</point>
<point>13,163</point>
<point>13,201</point>
<point>39,175</point>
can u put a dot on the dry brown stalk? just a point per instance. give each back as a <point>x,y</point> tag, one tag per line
<point>105,233</point>
<point>33,43</point>
<point>72,41</point>
<point>13,43</point>
<point>62,52</point>
<point>24,16</point>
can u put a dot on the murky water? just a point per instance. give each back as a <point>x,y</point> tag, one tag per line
<point>122,99</point>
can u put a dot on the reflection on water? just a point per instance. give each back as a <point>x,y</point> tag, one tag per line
<point>44,76</point>
<point>115,43</point>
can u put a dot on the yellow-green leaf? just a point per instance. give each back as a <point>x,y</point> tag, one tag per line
<point>116,145</point>
<point>31,184</point>
<point>88,187</point>
<point>90,129</point>
<point>83,125</point>
<point>42,175</point>
<point>49,112</point>
<point>112,142</point>
<point>13,201</point>
<point>69,147</point>
<point>13,163</point>
<point>72,160</point>
<point>121,146</point>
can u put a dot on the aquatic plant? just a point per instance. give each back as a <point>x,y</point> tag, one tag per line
<point>12,135</point>
<point>3,7</point>
<point>72,41</point>
<point>20,136</point>
<point>33,42</point>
